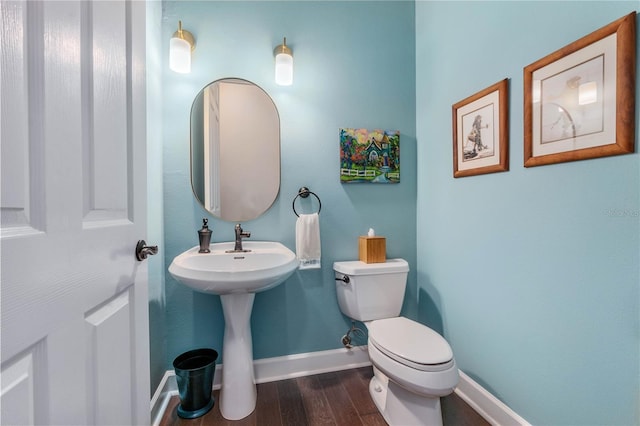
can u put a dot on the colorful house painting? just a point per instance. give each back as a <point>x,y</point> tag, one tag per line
<point>369,156</point>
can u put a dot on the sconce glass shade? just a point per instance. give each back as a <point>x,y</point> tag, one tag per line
<point>179,55</point>
<point>284,64</point>
<point>180,47</point>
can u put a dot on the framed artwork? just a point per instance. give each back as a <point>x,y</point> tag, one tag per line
<point>481,132</point>
<point>369,156</point>
<point>579,101</point>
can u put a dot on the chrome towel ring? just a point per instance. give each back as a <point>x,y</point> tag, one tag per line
<point>304,193</point>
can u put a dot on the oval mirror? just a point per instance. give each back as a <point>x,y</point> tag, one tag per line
<point>235,149</point>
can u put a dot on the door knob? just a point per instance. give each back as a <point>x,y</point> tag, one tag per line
<point>143,250</point>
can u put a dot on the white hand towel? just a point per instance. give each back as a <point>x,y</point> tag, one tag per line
<point>308,241</point>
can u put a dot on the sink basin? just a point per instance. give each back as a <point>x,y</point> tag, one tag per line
<point>265,266</point>
<point>236,277</point>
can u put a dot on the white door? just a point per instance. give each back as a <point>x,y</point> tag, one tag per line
<point>74,330</point>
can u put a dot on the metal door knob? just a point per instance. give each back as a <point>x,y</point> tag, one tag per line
<point>143,250</point>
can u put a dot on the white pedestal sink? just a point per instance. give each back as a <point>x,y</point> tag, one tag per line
<point>236,277</point>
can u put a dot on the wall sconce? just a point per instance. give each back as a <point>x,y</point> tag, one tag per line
<point>180,47</point>
<point>284,64</point>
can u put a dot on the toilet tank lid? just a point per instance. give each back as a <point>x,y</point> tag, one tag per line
<point>357,267</point>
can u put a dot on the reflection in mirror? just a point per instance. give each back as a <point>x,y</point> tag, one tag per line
<point>235,149</point>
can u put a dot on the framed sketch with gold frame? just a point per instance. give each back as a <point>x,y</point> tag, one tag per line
<point>481,132</point>
<point>579,101</point>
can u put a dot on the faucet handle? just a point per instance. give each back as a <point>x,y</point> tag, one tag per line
<point>241,232</point>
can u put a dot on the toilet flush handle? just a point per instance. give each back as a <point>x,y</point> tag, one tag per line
<point>345,279</point>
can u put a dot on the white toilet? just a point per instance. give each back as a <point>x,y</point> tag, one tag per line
<point>413,365</point>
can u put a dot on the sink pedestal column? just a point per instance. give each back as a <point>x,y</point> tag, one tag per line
<point>238,392</point>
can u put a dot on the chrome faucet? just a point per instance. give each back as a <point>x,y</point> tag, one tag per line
<point>240,234</point>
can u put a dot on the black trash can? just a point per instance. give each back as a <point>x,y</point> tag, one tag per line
<point>194,374</point>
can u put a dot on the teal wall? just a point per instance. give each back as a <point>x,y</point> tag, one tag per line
<point>155,220</point>
<point>532,274</point>
<point>354,66</point>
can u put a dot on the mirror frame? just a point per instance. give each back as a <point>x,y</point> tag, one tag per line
<point>191,150</point>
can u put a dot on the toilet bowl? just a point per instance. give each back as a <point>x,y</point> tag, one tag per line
<point>413,365</point>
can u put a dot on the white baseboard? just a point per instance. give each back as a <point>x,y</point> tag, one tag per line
<point>308,364</point>
<point>488,406</point>
<point>286,367</point>
<point>269,370</point>
<point>161,396</point>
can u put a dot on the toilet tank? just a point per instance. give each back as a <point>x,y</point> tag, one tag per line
<point>374,290</point>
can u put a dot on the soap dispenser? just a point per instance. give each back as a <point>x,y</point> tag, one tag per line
<point>205,237</point>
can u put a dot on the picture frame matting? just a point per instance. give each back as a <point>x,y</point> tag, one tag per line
<point>579,101</point>
<point>481,132</point>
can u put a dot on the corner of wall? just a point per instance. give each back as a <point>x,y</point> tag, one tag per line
<point>155,217</point>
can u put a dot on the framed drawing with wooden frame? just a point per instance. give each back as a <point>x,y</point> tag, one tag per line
<point>481,132</point>
<point>579,101</point>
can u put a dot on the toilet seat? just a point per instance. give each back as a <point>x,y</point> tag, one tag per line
<point>411,344</point>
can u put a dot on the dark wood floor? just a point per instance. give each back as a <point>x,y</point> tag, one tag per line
<point>338,398</point>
